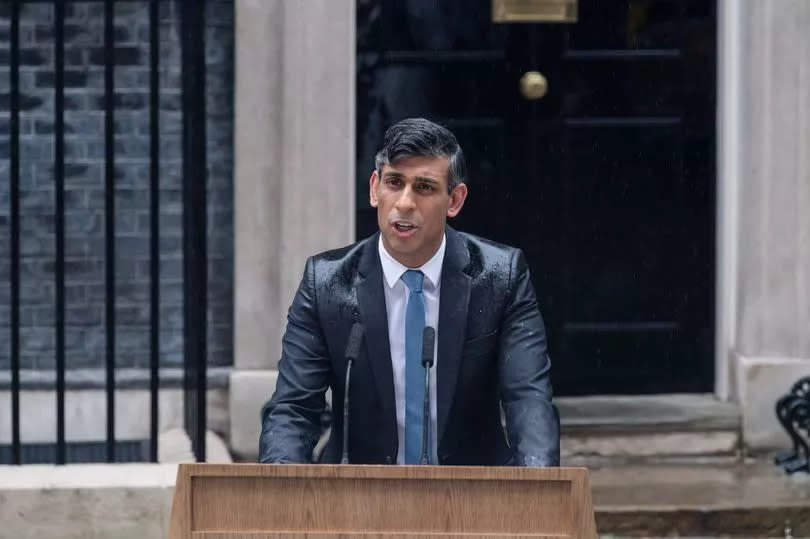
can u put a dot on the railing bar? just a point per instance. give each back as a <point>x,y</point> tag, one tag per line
<point>59,188</point>
<point>109,219</point>
<point>14,217</point>
<point>195,261</point>
<point>154,224</point>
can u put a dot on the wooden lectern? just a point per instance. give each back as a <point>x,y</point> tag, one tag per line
<point>252,501</point>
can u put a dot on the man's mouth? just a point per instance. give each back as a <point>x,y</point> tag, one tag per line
<point>403,228</point>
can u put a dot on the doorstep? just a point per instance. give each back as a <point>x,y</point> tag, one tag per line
<point>648,427</point>
<point>753,498</point>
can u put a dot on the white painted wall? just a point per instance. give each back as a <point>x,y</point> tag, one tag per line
<point>766,175</point>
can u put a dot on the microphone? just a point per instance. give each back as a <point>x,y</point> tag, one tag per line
<point>352,350</point>
<point>428,338</point>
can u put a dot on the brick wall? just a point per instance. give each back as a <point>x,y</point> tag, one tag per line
<point>84,184</point>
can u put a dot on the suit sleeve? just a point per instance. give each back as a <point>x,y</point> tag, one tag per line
<point>532,421</point>
<point>291,420</point>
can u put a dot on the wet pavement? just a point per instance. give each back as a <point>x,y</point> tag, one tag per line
<point>700,499</point>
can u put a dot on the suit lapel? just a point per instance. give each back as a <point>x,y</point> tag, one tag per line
<point>454,300</point>
<point>371,303</point>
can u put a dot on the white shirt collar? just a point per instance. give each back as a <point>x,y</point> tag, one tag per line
<point>393,270</point>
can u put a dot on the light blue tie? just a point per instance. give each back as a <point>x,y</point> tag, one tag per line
<point>414,372</point>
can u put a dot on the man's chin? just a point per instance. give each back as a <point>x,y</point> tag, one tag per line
<point>400,247</point>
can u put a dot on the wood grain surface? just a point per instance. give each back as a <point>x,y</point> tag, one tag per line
<point>237,501</point>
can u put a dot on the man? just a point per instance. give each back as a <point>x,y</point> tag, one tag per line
<point>416,272</point>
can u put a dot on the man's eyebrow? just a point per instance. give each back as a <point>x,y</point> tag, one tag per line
<point>392,174</point>
<point>425,179</point>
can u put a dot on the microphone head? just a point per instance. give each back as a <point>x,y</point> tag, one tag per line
<point>354,342</point>
<point>428,338</point>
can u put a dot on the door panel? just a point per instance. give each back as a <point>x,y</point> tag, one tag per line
<point>622,86</point>
<point>618,215</point>
<point>606,183</point>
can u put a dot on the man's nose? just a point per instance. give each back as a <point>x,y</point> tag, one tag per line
<point>405,201</point>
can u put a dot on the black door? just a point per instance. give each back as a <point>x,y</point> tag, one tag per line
<point>606,182</point>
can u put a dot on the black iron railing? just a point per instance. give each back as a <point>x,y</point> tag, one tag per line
<point>194,225</point>
<point>14,225</point>
<point>195,274</point>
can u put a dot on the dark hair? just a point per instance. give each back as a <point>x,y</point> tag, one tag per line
<point>418,137</point>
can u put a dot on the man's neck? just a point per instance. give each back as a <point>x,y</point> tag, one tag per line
<point>416,261</point>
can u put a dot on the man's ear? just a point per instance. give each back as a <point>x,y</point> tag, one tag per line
<point>372,188</point>
<point>457,197</point>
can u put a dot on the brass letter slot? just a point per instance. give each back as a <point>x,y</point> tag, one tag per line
<point>510,11</point>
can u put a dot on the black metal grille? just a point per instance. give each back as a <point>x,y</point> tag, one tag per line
<point>194,235</point>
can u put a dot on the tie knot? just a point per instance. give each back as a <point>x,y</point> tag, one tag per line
<point>413,280</point>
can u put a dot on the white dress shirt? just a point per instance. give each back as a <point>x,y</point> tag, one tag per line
<point>396,299</point>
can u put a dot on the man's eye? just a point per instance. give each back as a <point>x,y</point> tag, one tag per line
<point>426,187</point>
<point>393,182</point>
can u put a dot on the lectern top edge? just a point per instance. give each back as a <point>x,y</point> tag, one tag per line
<point>384,471</point>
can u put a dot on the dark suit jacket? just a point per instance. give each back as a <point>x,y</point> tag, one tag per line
<point>491,353</point>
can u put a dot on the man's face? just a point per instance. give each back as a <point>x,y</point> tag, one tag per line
<point>413,205</point>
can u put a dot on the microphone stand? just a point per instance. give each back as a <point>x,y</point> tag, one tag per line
<point>345,458</point>
<point>352,351</point>
<point>428,338</point>
<point>426,419</point>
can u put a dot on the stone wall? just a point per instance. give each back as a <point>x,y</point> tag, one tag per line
<point>772,341</point>
<point>84,184</point>
<point>294,177</point>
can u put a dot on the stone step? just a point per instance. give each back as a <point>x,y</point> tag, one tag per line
<point>648,426</point>
<point>749,499</point>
